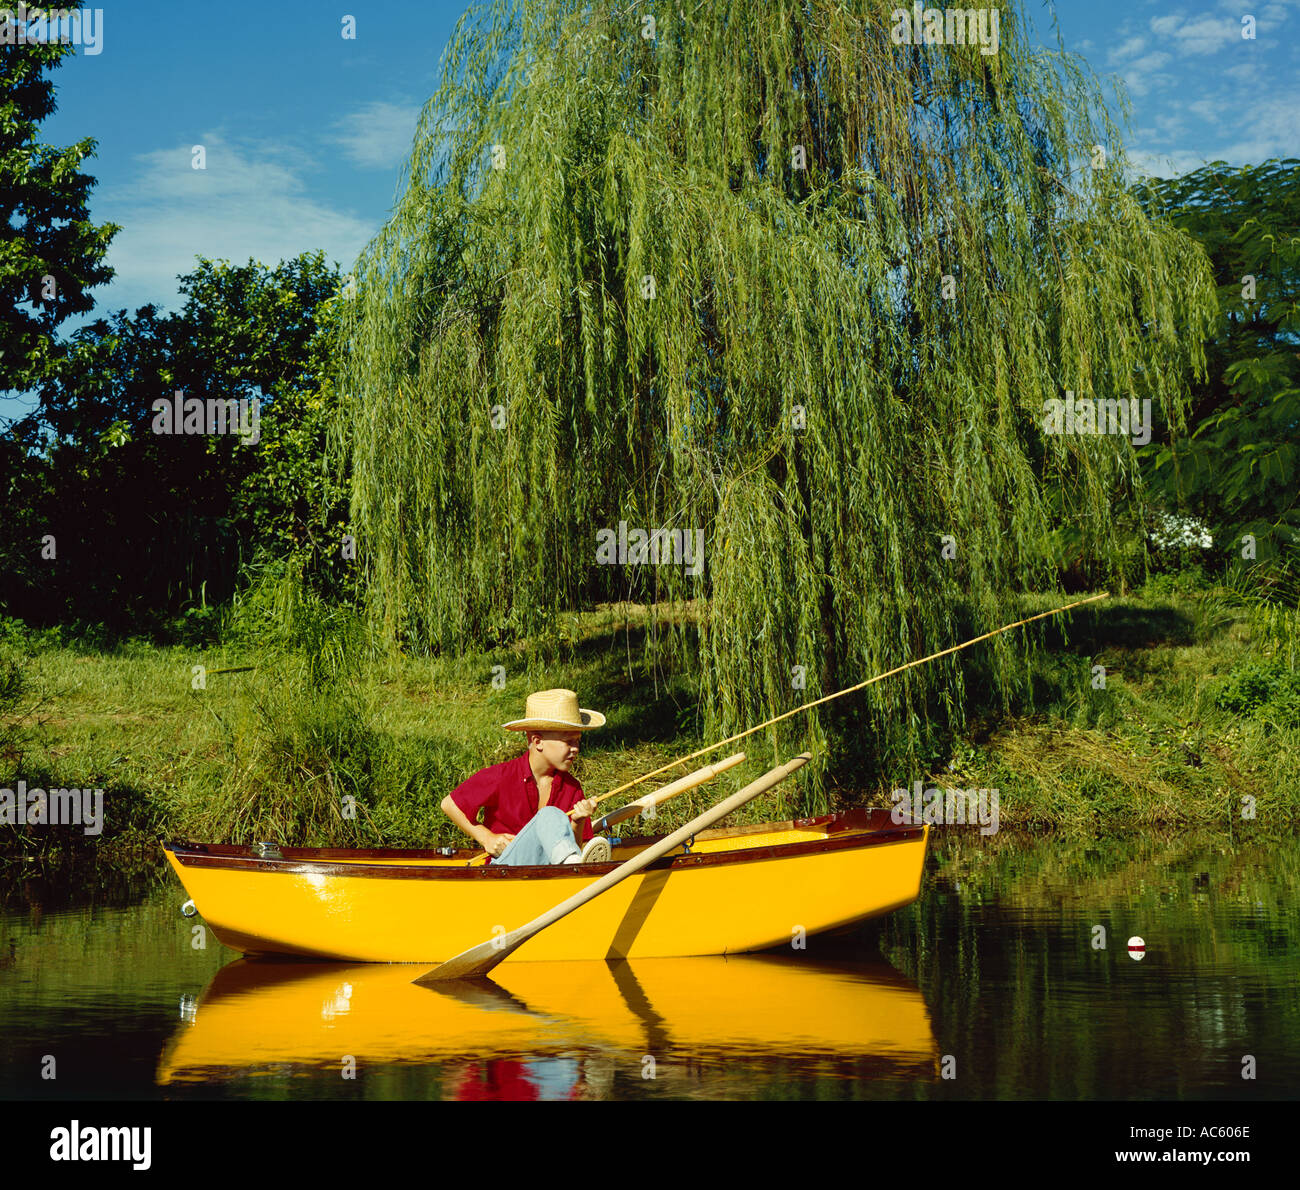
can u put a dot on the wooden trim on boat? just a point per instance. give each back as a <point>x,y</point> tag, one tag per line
<point>845,830</point>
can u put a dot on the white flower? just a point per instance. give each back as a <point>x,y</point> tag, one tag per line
<point>1173,532</point>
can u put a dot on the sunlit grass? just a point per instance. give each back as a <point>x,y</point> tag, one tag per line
<point>275,751</point>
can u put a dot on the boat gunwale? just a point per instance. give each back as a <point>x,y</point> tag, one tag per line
<point>846,830</point>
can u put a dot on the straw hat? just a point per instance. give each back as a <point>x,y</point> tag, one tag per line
<point>555,710</point>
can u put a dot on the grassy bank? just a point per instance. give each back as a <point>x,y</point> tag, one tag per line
<point>331,741</point>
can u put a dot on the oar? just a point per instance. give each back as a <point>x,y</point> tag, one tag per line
<point>479,960</point>
<point>659,796</point>
<point>681,785</point>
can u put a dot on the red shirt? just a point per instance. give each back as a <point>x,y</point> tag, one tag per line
<point>507,794</point>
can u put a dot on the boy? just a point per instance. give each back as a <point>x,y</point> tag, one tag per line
<point>526,801</point>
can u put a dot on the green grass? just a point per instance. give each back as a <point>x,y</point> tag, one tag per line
<point>1196,714</point>
<point>1159,745</point>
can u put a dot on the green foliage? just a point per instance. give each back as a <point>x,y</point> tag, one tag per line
<point>11,684</point>
<point>1268,691</point>
<point>294,505</point>
<point>14,686</point>
<point>183,511</point>
<point>311,762</point>
<point>1185,580</point>
<point>302,757</point>
<point>777,291</point>
<point>1237,467</point>
<point>46,237</point>
<point>294,628</point>
<point>1269,594</point>
<point>263,753</point>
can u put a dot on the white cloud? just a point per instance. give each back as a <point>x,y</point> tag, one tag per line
<point>379,135</point>
<point>250,201</point>
<point>1209,110</point>
<point>1162,164</point>
<point>1208,34</point>
<point>1144,134</point>
<point>1273,10</point>
<point>1126,49</point>
<point>1243,72</point>
<point>1152,61</point>
<point>1142,74</point>
<point>1196,35</point>
<point>1272,120</point>
<point>1264,128</point>
<point>1171,124</point>
<point>1245,152</point>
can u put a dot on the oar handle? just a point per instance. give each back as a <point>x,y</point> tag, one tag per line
<point>673,788</point>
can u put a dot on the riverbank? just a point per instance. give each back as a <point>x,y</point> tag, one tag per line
<point>1197,725</point>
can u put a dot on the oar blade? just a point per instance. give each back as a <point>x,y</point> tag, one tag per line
<point>474,963</point>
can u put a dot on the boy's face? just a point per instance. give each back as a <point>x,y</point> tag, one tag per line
<point>558,748</point>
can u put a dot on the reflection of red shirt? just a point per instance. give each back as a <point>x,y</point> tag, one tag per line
<point>508,796</point>
<point>503,1079</point>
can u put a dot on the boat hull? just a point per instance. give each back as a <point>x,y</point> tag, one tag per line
<point>739,890</point>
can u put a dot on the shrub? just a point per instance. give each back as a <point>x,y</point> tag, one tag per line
<point>1266,690</point>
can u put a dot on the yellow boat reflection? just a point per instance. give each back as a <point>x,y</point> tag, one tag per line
<point>259,1016</point>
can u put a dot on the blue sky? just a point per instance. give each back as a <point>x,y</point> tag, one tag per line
<point>305,132</point>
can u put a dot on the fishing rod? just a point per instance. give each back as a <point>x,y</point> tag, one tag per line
<point>849,690</point>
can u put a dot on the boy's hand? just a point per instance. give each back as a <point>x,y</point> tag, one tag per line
<point>494,845</point>
<point>584,808</point>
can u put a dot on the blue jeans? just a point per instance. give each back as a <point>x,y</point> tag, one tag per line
<point>547,839</point>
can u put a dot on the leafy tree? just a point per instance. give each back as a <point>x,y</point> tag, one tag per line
<point>51,255</point>
<point>763,272</point>
<point>1239,467</point>
<point>145,523</point>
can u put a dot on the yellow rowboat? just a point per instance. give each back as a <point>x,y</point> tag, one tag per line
<point>256,1017</point>
<point>733,889</point>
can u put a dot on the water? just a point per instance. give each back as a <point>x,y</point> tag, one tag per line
<point>995,978</point>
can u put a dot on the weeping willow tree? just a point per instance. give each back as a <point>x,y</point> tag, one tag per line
<point>768,272</point>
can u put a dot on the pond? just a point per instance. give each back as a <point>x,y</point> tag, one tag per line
<point>1011,978</point>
